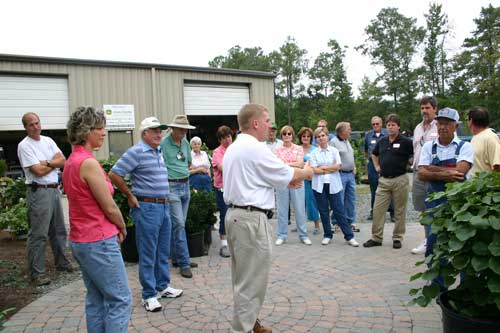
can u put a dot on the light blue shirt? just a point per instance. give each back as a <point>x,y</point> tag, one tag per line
<point>328,156</point>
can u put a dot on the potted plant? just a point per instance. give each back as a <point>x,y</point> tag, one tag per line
<point>128,246</point>
<point>199,221</point>
<point>466,255</point>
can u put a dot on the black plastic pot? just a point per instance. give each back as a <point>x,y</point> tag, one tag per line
<point>196,244</point>
<point>129,246</point>
<point>456,323</point>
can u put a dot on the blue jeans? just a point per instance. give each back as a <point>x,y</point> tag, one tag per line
<point>179,197</point>
<point>219,197</point>
<point>311,207</point>
<point>201,181</point>
<point>373,180</point>
<point>152,232</point>
<point>108,303</point>
<point>296,196</point>
<point>327,201</point>
<point>348,195</point>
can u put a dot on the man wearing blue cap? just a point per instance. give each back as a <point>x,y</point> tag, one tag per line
<point>443,160</point>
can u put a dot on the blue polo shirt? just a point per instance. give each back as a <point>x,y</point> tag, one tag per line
<point>147,171</point>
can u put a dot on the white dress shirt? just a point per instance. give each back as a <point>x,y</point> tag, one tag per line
<point>327,156</point>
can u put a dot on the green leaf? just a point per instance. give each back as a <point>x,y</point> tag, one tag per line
<point>494,284</point>
<point>430,291</point>
<point>455,244</point>
<point>494,248</point>
<point>414,291</point>
<point>494,222</point>
<point>496,198</point>
<point>494,264</point>
<point>423,301</point>
<point>449,280</point>
<point>464,232</point>
<point>430,274</point>
<point>416,276</point>
<point>479,222</point>
<point>466,216</point>
<point>487,200</point>
<point>460,261</point>
<point>426,219</point>
<point>420,262</point>
<point>480,248</point>
<point>479,263</point>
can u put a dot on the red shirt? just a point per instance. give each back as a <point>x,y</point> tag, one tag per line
<point>87,221</point>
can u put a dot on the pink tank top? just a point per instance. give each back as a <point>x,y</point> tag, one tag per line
<point>86,219</point>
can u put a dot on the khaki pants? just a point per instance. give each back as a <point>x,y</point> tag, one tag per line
<point>249,236</point>
<point>397,190</point>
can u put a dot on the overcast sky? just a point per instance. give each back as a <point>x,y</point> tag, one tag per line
<point>189,32</point>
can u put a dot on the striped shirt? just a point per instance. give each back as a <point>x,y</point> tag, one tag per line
<point>148,173</point>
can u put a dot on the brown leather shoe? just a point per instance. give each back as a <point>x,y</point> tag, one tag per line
<point>41,280</point>
<point>258,328</point>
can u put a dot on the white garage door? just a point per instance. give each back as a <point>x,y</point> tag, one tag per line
<point>200,100</point>
<point>46,96</point>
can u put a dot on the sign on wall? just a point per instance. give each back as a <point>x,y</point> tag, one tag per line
<point>119,117</point>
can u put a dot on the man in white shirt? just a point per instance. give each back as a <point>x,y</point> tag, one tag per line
<point>251,171</point>
<point>424,132</point>
<point>41,160</point>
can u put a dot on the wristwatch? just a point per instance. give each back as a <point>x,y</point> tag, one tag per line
<point>48,163</point>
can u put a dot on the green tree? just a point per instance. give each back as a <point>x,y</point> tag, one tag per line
<point>291,63</point>
<point>252,58</point>
<point>435,72</point>
<point>392,41</point>
<point>480,61</point>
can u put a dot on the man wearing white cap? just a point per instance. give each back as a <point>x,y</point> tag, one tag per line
<point>148,200</point>
<point>443,160</point>
<point>177,155</point>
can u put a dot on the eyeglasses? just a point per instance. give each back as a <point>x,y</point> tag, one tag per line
<point>180,156</point>
<point>373,124</point>
<point>288,133</point>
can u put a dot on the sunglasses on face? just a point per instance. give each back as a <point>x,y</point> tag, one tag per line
<point>374,124</point>
<point>287,134</point>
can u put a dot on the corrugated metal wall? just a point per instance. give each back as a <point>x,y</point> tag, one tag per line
<point>153,91</point>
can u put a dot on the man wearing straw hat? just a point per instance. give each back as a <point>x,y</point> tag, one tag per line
<point>177,157</point>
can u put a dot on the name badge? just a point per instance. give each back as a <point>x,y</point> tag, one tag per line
<point>373,141</point>
<point>396,145</point>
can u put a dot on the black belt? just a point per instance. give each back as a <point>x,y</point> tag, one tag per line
<point>393,176</point>
<point>35,185</point>
<point>182,180</point>
<point>268,212</point>
<point>153,200</point>
<point>346,171</point>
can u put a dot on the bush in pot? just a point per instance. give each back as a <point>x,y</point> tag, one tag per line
<point>199,220</point>
<point>467,226</point>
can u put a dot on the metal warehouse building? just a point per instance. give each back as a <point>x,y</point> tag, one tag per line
<point>128,92</point>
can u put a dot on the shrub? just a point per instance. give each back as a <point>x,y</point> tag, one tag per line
<point>201,211</point>
<point>467,226</point>
<point>14,219</point>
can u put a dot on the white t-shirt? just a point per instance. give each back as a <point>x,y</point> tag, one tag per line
<point>31,152</point>
<point>447,152</point>
<point>251,171</point>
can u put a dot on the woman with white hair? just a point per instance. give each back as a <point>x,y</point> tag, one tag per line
<point>199,172</point>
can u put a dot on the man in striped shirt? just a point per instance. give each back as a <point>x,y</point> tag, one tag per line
<point>150,211</point>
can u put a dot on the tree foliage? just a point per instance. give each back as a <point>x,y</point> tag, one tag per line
<point>249,58</point>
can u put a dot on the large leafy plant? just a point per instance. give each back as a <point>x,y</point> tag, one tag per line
<point>119,197</point>
<point>467,226</point>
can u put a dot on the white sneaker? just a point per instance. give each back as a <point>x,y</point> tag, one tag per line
<point>279,241</point>
<point>326,241</point>
<point>306,241</point>
<point>151,304</point>
<point>353,242</point>
<point>420,249</point>
<point>170,292</point>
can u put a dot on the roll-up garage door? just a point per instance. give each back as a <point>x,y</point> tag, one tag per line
<point>215,100</point>
<point>46,96</point>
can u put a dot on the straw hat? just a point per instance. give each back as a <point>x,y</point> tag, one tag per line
<point>181,121</point>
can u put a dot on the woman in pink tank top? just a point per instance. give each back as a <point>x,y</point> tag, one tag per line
<point>96,226</point>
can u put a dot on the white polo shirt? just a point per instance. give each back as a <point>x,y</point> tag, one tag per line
<point>251,171</point>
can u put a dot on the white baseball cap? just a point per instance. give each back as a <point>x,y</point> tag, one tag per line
<point>151,122</point>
